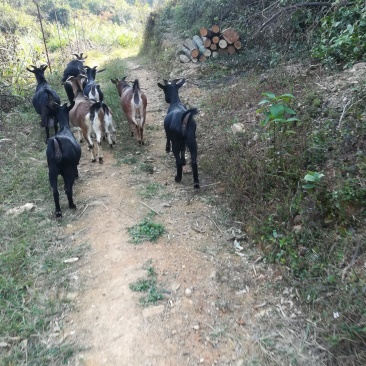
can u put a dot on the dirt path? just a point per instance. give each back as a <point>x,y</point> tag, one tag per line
<point>215,322</point>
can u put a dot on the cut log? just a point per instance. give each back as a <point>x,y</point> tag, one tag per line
<point>215,54</point>
<point>201,58</point>
<point>222,43</point>
<point>237,45</point>
<point>188,43</point>
<point>213,47</point>
<point>231,49</point>
<point>199,43</point>
<point>184,59</point>
<point>215,39</point>
<point>215,29</point>
<point>206,42</point>
<point>187,53</point>
<point>207,52</point>
<point>223,51</point>
<point>230,35</point>
<point>205,32</point>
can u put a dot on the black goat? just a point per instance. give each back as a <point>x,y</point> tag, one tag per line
<point>180,129</point>
<point>63,156</point>
<point>43,97</point>
<point>73,68</point>
<point>92,89</point>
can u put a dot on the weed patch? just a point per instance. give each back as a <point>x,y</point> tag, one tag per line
<point>149,286</point>
<point>147,230</point>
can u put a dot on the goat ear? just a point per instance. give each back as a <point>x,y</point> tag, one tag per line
<point>161,86</point>
<point>114,81</point>
<point>166,81</point>
<point>44,67</point>
<point>182,81</point>
<point>101,70</point>
<point>32,71</point>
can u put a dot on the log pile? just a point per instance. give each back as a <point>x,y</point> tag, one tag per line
<point>210,43</point>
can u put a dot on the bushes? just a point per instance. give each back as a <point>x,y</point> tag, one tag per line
<point>341,39</point>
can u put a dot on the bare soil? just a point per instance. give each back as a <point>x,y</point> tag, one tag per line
<point>230,309</point>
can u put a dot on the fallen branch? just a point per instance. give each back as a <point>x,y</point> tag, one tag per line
<point>150,208</point>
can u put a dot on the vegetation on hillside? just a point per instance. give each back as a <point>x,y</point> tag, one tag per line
<point>300,161</point>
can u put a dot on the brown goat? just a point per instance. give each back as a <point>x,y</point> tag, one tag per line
<point>133,103</point>
<point>88,117</point>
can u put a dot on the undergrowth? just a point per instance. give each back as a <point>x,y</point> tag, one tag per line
<point>149,286</point>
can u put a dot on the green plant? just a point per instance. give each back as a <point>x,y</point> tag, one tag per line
<point>312,179</point>
<point>342,35</point>
<point>151,190</point>
<point>149,286</point>
<point>146,230</point>
<point>279,115</point>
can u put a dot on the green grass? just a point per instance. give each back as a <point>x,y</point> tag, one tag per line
<point>149,286</point>
<point>32,250</point>
<point>151,190</point>
<point>146,230</point>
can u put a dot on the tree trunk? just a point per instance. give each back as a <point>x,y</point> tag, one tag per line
<point>187,53</point>
<point>192,47</point>
<point>207,52</point>
<point>223,51</point>
<point>199,43</point>
<point>231,49</point>
<point>215,39</point>
<point>237,45</point>
<point>201,58</point>
<point>206,42</point>
<point>215,29</point>
<point>230,35</point>
<point>184,59</point>
<point>222,43</point>
<point>205,32</point>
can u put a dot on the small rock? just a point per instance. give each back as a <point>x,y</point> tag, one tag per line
<point>202,360</point>
<point>188,292</point>
<point>4,345</point>
<point>196,327</point>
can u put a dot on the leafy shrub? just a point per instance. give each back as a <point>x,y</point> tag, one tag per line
<point>342,35</point>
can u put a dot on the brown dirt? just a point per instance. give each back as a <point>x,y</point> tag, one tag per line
<point>222,321</point>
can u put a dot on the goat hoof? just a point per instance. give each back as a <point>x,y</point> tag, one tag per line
<point>100,160</point>
<point>111,145</point>
<point>58,215</point>
<point>72,206</point>
<point>196,186</point>
<point>178,180</point>
<point>94,160</point>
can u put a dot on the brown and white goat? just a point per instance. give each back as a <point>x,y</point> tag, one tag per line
<point>90,119</point>
<point>133,103</point>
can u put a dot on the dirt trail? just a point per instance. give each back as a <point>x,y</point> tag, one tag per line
<point>216,323</point>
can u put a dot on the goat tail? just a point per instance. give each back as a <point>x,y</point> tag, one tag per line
<point>58,150</point>
<point>187,118</point>
<point>136,92</point>
<point>106,110</point>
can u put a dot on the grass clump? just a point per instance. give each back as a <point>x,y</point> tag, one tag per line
<point>146,230</point>
<point>149,286</point>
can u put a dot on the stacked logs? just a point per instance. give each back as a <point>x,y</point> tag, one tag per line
<point>210,43</point>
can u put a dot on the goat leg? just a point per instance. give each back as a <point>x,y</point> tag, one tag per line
<point>52,174</point>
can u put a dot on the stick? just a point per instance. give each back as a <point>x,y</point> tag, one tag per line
<point>343,113</point>
<point>213,222</point>
<point>150,208</point>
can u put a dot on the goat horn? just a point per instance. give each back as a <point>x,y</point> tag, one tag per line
<point>166,81</point>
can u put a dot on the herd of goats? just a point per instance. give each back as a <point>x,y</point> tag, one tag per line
<point>93,119</point>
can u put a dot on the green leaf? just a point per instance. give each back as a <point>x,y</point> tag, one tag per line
<point>269,95</point>
<point>277,110</point>
<point>309,178</point>
<point>287,95</point>
<point>292,119</point>
<point>289,110</point>
<point>263,101</point>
